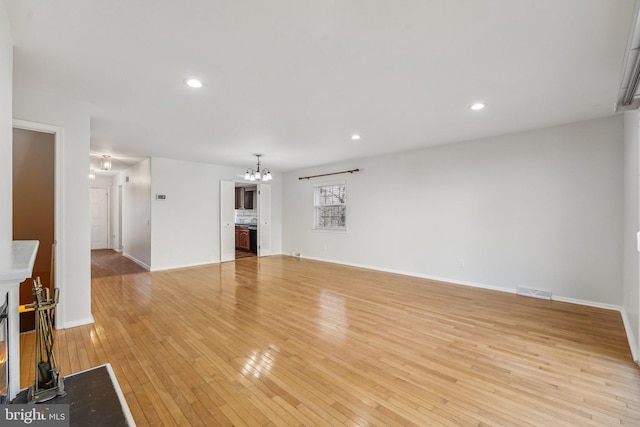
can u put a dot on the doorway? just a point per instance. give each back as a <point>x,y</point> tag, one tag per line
<point>34,207</point>
<point>245,220</point>
<point>99,218</point>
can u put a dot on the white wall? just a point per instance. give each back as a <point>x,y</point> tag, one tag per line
<point>101,181</point>
<point>186,226</point>
<point>6,118</point>
<point>137,213</point>
<point>74,244</point>
<point>631,287</point>
<point>539,209</point>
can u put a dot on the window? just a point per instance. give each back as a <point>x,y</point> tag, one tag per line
<point>330,207</point>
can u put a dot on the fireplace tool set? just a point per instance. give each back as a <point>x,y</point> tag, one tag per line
<point>48,383</point>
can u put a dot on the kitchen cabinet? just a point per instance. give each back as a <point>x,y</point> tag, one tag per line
<point>243,241</point>
<point>248,199</point>
<point>244,198</point>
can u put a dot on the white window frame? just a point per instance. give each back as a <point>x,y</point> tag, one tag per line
<point>317,205</point>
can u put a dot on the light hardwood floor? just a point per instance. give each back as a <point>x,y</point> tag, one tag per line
<point>281,341</point>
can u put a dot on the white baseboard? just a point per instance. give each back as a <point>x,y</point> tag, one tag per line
<point>633,345</point>
<point>587,303</point>
<point>137,261</point>
<point>197,264</point>
<point>79,322</point>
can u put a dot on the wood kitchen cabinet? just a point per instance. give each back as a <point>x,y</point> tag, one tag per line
<point>248,199</point>
<point>243,240</point>
<point>244,198</point>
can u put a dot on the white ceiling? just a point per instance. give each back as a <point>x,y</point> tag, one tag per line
<point>294,79</point>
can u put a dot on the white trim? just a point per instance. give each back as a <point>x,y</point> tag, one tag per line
<point>123,401</point>
<point>262,224</point>
<point>197,264</point>
<point>630,338</point>
<point>79,322</point>
<point>224,225</point>
<point>120,215</point>
<point>137,261</point>
<point>587,303</point>
<point>337,230</point>
<point>59,210</point>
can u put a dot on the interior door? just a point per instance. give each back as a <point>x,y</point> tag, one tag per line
<point>99,218</point>
<point>227,223</point>
<point>264,220</point>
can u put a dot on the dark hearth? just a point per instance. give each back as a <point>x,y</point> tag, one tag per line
<point>92,399</point>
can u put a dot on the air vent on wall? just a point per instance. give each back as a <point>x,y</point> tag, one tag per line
<point>535,293</point>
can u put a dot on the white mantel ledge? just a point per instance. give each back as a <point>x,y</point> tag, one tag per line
<point>16,260</point>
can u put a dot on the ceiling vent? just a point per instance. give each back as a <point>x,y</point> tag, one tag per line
<point>628,97</point>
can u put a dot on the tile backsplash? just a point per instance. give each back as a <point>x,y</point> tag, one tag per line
<point>246,216</point>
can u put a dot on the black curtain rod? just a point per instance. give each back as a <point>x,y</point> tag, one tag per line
<point>327,174</point>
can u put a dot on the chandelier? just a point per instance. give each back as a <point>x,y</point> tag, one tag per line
<point>251,175</point>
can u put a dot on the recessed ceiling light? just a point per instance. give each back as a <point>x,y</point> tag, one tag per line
<point>478,106</point>
<point>355,137</point>
<point>194,83</point>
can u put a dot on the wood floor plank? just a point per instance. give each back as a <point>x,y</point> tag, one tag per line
<point>282,341</point>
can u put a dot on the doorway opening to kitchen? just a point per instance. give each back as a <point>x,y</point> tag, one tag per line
<point>254,225</point>
<point>246,220</point>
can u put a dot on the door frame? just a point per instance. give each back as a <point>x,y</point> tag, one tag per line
<point>120,247</point>
<point>59,211</point>
<point>221,225</point>
<point>261,221</point>
<point>224,225</point>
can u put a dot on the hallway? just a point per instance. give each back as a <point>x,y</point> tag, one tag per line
<point>106,262</point>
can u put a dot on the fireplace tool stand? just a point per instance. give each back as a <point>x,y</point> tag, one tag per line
<point>48,383</point>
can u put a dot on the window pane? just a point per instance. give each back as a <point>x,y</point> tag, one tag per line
<point>330,201</point>
<point>332,195</point>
